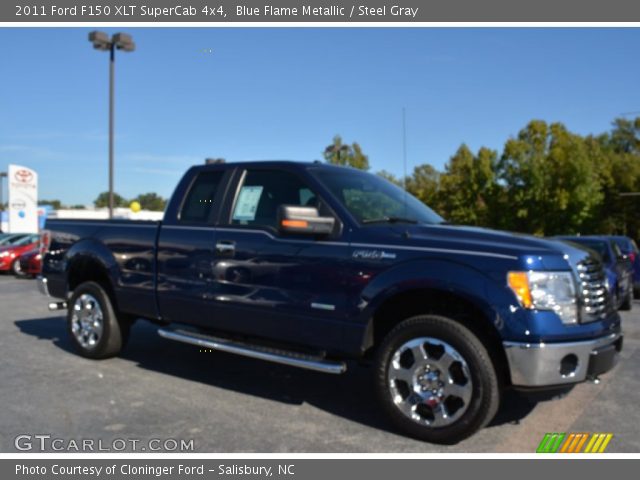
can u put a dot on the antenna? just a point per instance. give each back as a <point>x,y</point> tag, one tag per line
<point>404,158</point>
<point>404,148</point>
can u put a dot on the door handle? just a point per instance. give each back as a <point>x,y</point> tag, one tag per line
<point>225,247</point>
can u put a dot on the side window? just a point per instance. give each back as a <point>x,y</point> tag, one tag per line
<point>263,191</point>
<point>199,201</point>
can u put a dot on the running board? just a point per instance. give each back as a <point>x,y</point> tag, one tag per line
<point>284,357</point>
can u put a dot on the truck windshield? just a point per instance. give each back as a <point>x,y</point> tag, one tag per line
<point>372,199</point>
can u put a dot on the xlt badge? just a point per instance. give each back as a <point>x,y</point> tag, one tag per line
<point>373,255</point>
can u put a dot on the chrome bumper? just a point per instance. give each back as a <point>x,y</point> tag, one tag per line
<point>43,288</point>
<point>548,364</point>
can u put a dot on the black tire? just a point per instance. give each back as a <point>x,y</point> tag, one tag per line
<point>485,387</point>
<point>628,302</point>
<point>114,334</point>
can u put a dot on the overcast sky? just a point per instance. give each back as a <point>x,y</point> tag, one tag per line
<point>283,93</point>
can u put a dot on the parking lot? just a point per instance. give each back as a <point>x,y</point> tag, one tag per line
<point>160,389</point>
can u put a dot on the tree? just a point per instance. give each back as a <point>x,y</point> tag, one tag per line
<point>390,177</point>
<point>55,204</point>
<point>102,201</point>
<point>339,153</point>
<point>467,185</point>
<point>625,136</point>
<point>151,201</point>
<point>424,184</point>
<point>550,182</point>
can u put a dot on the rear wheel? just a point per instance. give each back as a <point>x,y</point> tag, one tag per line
<point>93,324</point>
<point>435,379</point>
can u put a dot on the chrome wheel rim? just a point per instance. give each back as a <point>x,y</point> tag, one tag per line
<point>87,321</point>
<point>430,382</point>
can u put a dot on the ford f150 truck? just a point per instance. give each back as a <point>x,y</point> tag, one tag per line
<point>311,265</point>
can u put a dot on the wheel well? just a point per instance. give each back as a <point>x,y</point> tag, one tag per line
<point>424,301</point>
<point>87,269</point>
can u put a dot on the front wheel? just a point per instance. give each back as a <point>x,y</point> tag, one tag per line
<point>435,379</point>
<point>93,324</point>
<point>16,268</point>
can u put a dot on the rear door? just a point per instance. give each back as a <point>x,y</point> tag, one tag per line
<point>186,256</point>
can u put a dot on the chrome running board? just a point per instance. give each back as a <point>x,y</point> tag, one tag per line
<point>269,354</point>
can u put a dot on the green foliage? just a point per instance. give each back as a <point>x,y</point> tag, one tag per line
<point>148,201</point>
<point>55,204</point>
<point>423,184</point>
<point>151,201</point>
<point>390,177</point>
<point>549,180</point>
<point>546,181</point>
<point>467,185</point>
<point>102,201</point>
<point>339,153</point>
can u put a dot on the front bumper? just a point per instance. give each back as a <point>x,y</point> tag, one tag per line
<point>549,364</point>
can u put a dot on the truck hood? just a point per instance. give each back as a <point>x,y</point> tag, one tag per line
<point>545,253</point>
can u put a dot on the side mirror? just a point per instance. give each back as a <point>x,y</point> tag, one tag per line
<point>303,220</point>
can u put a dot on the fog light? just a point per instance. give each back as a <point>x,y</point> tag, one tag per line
<point>568,365</point>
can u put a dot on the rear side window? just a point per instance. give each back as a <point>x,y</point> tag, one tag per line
<point>198,204</point>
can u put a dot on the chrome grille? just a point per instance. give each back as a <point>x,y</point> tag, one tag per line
<point>593,290</point>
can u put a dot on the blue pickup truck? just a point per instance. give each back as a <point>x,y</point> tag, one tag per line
<point>313,265</point>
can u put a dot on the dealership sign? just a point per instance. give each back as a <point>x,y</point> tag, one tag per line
<point>23,200</point>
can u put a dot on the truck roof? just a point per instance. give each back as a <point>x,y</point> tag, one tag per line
<point>273,163</point>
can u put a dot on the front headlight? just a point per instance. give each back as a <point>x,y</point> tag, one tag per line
<point>555,291</point>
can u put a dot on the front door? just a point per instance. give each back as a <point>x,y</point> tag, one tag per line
<point>281,286</point>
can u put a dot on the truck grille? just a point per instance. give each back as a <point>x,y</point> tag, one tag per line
<point>593,290</point>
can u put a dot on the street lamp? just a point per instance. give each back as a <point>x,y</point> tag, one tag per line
<point>102,42</point>
<point>2,175</point>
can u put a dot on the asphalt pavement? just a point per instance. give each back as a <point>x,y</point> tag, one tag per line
<point>161,390</point>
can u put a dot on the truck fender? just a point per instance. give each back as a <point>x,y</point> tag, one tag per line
<point>95,251</point>
<point>495,301</point>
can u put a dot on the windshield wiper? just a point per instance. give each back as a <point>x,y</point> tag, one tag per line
<point>389,220</point>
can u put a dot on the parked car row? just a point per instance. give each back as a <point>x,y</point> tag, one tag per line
<point>20,253</point>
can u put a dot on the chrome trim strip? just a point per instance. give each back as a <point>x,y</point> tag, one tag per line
<point>324,366</point>
<point>594,343</point>
<point>323,306</point>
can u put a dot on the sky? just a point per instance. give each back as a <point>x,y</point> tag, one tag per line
<point>186,94</point>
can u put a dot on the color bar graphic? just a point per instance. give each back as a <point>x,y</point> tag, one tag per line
<point>574,442</point>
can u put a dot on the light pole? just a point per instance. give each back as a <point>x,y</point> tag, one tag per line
<point>119,41</point>
<point>2,175</point>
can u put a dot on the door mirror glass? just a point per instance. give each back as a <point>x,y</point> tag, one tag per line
<point>303,220</point>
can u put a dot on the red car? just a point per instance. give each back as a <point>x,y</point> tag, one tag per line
<point>30,263</point>
<point>10,253</point>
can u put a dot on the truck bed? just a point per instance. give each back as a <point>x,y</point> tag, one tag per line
<point>130,246</point>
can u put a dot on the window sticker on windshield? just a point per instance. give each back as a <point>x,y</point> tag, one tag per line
<point>247,203</point>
